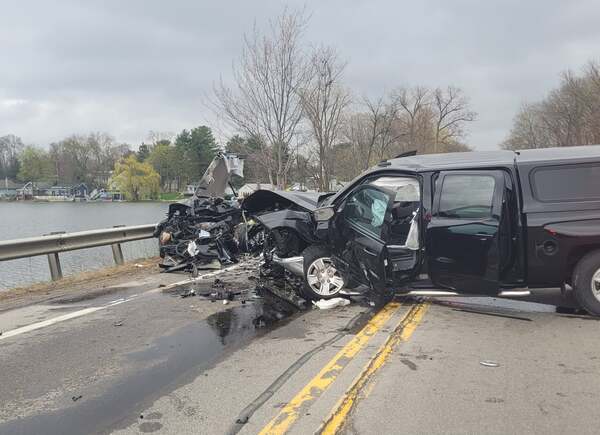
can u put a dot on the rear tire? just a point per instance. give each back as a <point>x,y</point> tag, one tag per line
<point>586,282</point>
<point>321,279</point>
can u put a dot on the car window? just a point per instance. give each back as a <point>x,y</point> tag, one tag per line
<point>406,189</point>
<point>467,196</point>
<point>366,208</point>
<point>567,183</point>
<point>407,202</point>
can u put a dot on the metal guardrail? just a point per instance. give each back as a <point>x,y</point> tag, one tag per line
<point>54,243</point>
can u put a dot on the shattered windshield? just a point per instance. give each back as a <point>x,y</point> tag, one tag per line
<point>407,189</point>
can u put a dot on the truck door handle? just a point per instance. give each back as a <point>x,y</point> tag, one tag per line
<point>483,236</point>
<point>368,251</point>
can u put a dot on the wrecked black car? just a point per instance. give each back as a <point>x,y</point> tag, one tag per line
<point>198,233</point>
<point>206,230</point>
<point>300,232</point>
<point>487,223</point>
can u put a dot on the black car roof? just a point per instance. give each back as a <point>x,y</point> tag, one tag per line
<point>486,159</point>
<point>591,152</point>
<point>474,159</point>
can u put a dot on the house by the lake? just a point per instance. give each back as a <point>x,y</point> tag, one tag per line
<point>9,189</point>
<point>43,191</point>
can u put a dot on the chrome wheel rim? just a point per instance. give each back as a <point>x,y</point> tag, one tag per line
<point>323,278</point>
<point>596,284</point>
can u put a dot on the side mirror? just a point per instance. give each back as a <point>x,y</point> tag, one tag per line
<point>323,214</point>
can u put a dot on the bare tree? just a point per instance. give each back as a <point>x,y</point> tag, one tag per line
<point>369,133</point>
<point>155,136</point>
<point>451,113</point>
<point>381,116</point>
<point>527,132</point>
<point>324,100</point>
<point>263,101</point>
<point>415,115</point>
<point>569,115</point>
<point>10,148</point>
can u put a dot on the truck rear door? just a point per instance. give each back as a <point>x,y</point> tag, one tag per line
<point>463,236</point>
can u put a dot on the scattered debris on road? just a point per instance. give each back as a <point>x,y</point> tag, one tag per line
<point>76,398</point>
<point>488,363</point>
<point>327,304</point>
<point>189,293</point>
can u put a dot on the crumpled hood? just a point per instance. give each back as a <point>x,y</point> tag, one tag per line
<point>265,199</point>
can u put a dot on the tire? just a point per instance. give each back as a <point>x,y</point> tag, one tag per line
<point>586,282</point>
<point>317,265</point>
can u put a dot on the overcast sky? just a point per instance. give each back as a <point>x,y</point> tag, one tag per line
<point>129,66</point>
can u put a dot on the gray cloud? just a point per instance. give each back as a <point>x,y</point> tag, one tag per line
<point>127,67</point>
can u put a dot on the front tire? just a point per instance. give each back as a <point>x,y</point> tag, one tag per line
<point>321,279</point>
<point>586,282</point>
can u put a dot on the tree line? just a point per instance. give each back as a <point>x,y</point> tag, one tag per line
<point>569,115</point>
<point>165,163</point>
<point>289,112</point>
<point>298,120</point>
<point>291,115</point>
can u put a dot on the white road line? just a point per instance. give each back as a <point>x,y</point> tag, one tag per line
<point>85,311</point>
<point>58,319</point>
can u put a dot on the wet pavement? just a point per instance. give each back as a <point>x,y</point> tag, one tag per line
<point>196,333</point>
<point>164,360</point>
<point>187,351</point>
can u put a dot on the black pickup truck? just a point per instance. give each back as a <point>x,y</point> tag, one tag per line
<point>478,222</point>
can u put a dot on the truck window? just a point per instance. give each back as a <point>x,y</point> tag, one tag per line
<point>407,202</point>
<point>406,188</point>
<point>566,183</point>
<point>366,209</point>
<point>467,196</point>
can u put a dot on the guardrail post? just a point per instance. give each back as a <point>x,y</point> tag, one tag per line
<point>117,253</point>
<point>54,263</point>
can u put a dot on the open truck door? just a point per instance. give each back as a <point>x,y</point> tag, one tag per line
<point>463,236</point>
<point>375,232</point>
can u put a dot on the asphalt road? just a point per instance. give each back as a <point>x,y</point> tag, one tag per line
<point>138,358</point>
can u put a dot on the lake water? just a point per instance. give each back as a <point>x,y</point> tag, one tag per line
<point>27,219</point>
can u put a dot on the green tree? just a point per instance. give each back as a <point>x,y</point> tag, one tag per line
<point>35,165</point>
<point>165,160</point>
<point>143,152</point>
<point>137,180</point>
<point>196,149</point>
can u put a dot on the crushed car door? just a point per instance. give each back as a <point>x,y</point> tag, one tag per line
<point>462,236</point>
<point>359,232</point>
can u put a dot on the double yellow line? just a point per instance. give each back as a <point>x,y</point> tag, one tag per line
<point>328,374</point>
<point>344,407</point>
